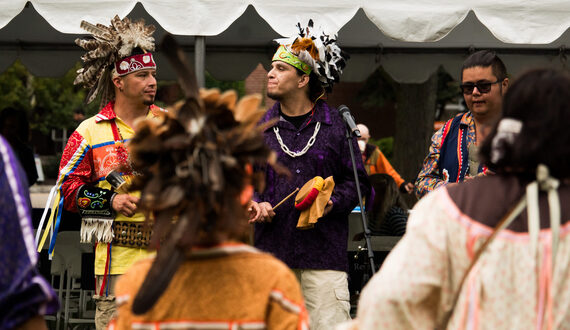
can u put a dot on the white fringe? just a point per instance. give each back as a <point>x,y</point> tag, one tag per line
<point>99,229</point>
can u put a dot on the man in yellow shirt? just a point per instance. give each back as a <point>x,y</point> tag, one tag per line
<point>127,82</point>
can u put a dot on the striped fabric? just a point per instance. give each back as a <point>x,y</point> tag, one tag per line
<point>229,286</point>
<point>189,325</point>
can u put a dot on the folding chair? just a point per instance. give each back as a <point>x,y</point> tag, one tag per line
<point>57,270</point>
<point>76,300</point>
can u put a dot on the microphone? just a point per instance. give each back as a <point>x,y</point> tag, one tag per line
<point>349,120</point>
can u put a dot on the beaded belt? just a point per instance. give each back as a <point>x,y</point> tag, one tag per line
<point>131,234</point>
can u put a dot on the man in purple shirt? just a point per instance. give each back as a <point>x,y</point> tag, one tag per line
<point>309,139</point>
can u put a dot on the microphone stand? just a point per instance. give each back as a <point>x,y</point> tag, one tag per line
<point>364,224</point>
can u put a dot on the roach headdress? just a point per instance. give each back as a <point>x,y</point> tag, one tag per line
<point>111,51</point>
<point>194,163</point>
<point>312,50</point>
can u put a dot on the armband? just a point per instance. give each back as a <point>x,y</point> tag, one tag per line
<point>97,216</point>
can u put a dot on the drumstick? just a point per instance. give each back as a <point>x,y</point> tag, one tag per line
<point>286,198</point>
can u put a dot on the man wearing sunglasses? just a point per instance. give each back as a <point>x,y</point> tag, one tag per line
<point>452,154</point>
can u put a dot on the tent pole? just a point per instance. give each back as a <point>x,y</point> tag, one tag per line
<point>200,60</point>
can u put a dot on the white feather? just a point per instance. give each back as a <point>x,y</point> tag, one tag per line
<point>196,124</point>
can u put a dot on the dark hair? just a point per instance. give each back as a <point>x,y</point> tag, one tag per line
<point>540,99</point>
<point>316,89</point>
<point>486,58</point>
<point>386,196</point>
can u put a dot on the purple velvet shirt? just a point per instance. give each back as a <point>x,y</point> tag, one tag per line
<point>23,292</point>
<point>325,245</point>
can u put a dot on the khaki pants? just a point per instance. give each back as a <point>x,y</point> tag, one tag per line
<point>326,296</point>
<point>106,306</point>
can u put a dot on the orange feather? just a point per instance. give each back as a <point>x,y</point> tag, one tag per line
<point>307,44</point>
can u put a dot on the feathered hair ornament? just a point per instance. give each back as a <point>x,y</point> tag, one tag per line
<point>195,162</point>
<point>109,45</point>
<point>317,50</point>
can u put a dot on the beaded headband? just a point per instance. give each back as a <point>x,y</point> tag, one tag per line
<point>134,63</point>
<point>283,55</point>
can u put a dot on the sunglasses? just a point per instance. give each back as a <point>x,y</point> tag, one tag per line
<point>482,87</point>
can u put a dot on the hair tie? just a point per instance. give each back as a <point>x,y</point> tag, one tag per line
<point>507,130</point>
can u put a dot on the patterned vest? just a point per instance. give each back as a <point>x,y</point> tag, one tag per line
<point>454,154</point>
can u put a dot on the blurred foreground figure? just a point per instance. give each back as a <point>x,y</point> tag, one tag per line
<point>197,182</point>
<point>24,294</point>
<point>491,253</point>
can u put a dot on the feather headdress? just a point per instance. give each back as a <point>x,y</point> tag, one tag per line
<point>318,50</point>
<point>108,45</point>
<point>194,164</point>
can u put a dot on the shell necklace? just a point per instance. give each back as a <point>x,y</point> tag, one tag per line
<point>305,149</point>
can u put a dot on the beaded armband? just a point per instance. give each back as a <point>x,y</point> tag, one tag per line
<point>97,216</point>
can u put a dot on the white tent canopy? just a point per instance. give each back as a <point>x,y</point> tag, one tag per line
<point>410,39</point>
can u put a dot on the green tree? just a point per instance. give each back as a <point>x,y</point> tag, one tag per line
<point>379,89</point>
<point>48,102</point>
<point>13,87</point>
<point>55,100</point>
<point>385,144</point>
<point>212,82</point>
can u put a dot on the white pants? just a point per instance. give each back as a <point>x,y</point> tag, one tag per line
<point>326,296</point>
